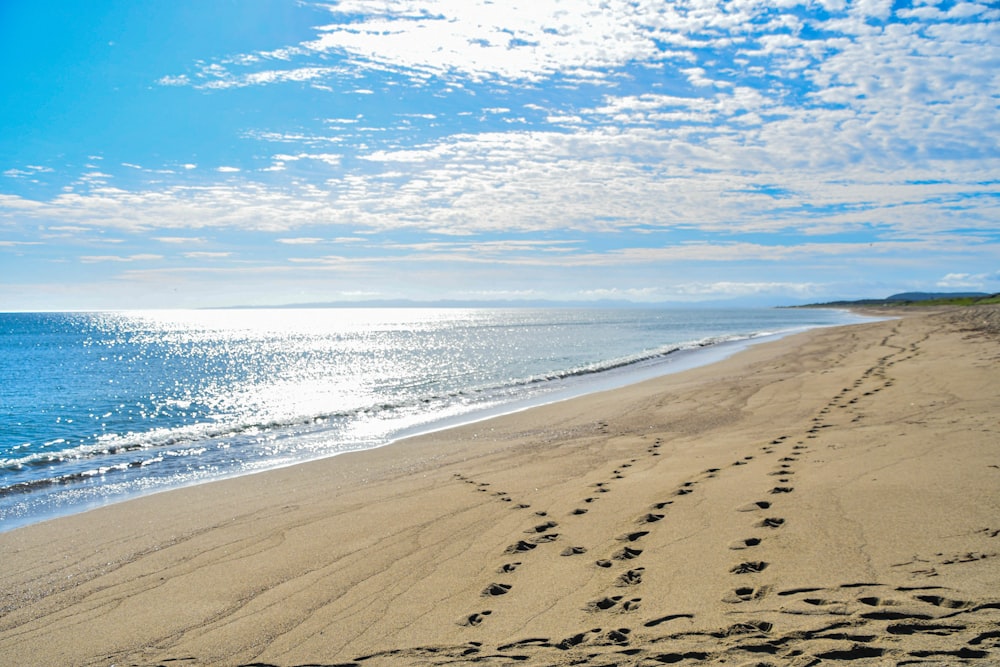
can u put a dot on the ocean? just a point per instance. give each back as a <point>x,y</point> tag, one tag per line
<point>101,407</point>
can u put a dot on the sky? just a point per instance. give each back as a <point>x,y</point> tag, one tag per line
<point>200,153</point>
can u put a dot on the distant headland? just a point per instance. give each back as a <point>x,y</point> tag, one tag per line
<point>915,299</point>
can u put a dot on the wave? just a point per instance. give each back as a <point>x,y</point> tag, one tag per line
<point>67,479</point>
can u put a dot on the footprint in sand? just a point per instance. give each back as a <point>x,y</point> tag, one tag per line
<point>754,506</point>
<point>628,553</point>
<point>630,578</point>
<point>632,537</point>
<point>873,601</point>
<point>749,567</point>
<point>545,539</point>
<point>939,601</point>
<point>771,522</point>
<point>472,620</point>
<point>496,589</point>
<point>519,547</point>
<point>577,639</point>
<point>507,568</point>
<point>542,527</point>
<point>606,603</point>
<point>745,594</point>
<point>578,511</point>
<point>745,543</point>
<point>619,636</point>
<point>573,551</point>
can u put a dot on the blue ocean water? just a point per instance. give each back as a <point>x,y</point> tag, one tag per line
<point>98,407</point>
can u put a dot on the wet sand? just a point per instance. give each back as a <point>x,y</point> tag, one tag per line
<point>831,497</point>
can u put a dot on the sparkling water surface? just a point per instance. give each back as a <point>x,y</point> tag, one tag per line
<point>98,407</point>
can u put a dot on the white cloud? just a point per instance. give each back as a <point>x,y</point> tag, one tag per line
<point>328,158</point>
<point>974,282</point>
<point>141,257</point>
<point>481,39</point>
<point>181,80</point>
<point>14,204</point>
<point>630,294</point>
<point>228,170</point>
<point>207,255</point>
<point>736,289</point>
<point>303,240</point>
<point>292,137</point>
<point>875,90</point>
<point>179,239</point>
<point>589,180</point>
<point>28,170</point>
<point>221,78</point>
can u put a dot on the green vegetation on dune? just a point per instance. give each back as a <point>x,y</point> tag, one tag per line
<point>914,300</point>
<point>957,301</point>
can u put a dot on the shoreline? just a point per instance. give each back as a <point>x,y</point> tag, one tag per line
<point>575,384</point>
<point>869,447</point>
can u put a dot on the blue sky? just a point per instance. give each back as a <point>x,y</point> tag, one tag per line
<point>188,153</point>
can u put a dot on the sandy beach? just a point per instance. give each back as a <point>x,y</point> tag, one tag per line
<point>830,497</point>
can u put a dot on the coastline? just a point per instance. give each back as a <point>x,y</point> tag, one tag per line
<point>121,469</point>
<point>839,478</point>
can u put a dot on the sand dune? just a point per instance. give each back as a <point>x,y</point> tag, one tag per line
<point>830,498</point>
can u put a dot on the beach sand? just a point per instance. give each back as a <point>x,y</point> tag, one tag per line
<point>830,497</point>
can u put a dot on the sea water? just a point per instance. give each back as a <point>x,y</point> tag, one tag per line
<point>99,407</point>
